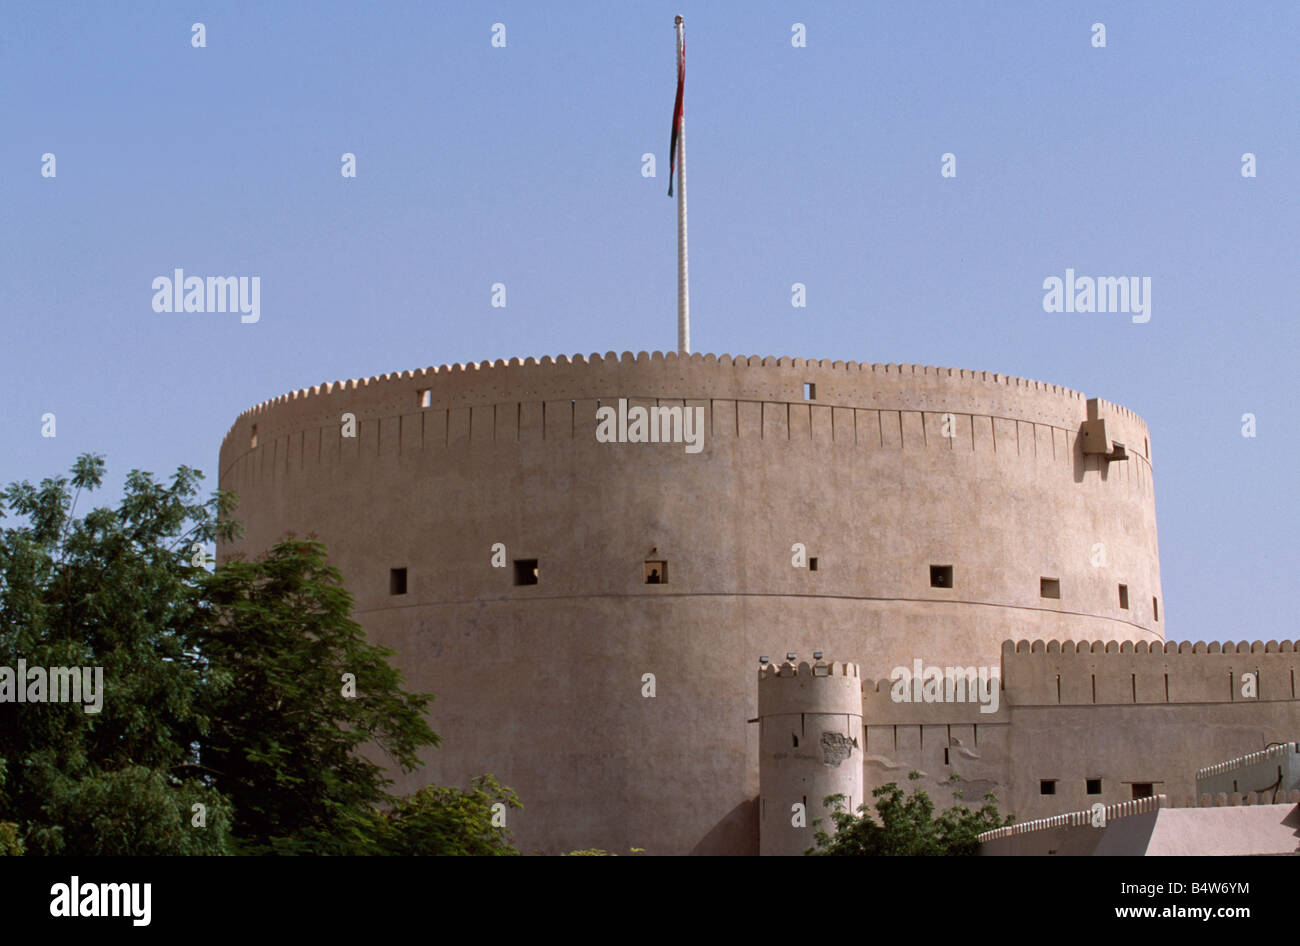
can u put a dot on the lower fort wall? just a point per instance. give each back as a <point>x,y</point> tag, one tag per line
<point>1158,826</point>
<point>1158,715</point>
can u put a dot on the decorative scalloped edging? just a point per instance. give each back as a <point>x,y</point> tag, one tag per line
<point>1124,809</point>
<point>1286,748</point>
<point>1149,647</point>
<point>832,668</point>
<point>1072,819</point>
<point>747,361</point>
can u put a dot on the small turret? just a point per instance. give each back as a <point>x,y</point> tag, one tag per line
<point>810,732</point>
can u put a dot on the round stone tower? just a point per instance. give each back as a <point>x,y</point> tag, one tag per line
<point>582,558</point>
<point>810,727</point>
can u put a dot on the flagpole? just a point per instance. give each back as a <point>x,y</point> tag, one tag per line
<point>683,271</point>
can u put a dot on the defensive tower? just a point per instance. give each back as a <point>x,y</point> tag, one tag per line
<point>810,730</point>
<point>882,512</point>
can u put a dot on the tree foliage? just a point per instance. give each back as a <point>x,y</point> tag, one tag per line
<point>285,735</point>
<point>438,820</point>
<point>225,726</point>
<point>907,825</point>
<point>113,590</point>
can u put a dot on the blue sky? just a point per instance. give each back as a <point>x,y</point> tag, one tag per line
<point>522,165</point>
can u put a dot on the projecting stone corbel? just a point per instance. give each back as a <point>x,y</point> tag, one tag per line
<point>1096,439</point>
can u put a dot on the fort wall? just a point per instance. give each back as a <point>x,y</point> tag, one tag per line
<point>1100,722</point>
<point>1156,826</point>
<point>541,684</point>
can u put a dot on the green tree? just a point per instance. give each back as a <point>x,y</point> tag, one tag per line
<point>223,727</point>
<point>907,826</point>
<point>448,821</point>
<point>11,839</point>
<point>284,658</point>
<point>113,590</point>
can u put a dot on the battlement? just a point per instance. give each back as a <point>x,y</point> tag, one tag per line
<point>823,687</point>
<point>1153,826</point>
<point>1149,672</point>
<point>1283,750</point>
<point>1049,673</point>
<point>509,379</point>
<point>821,668</point>
<point>1139,806</point>
<point>1149,647</point>
<point>1071,819</point>
<point>643,357</point>
<point>784,400</point>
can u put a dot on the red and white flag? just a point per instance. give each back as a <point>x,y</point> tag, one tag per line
<point>677,111</point>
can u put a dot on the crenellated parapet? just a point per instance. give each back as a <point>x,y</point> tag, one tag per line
<point>1105,814</point>
<point>1078,819</point>
<point>819,668</point>
<point>884,406</point>
<point>1130,672</point>
<point>1150,647</point>
<point>1156,826</point>
<point>1285,750</point>
<point>1269,771</point>
<point>844,368</point>
<point>828,687</point>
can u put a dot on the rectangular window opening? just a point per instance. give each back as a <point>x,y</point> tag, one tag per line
<point>809,391</point>
<point>945,757</point>
<point>1143,789</point>
<point>1155,607</point>
<point>940,576</point>
<point>812,564</point>
<point>1047,786</point>
<point>1049,587</point>
<point>397,581</point>
<point>656,573</point>
<point>252,441</point>
<point>425,397</point>
<point>525,571</point>
<point>1123,597</point>
<point>1094,786</point>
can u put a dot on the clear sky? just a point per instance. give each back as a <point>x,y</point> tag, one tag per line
<point>523,165</point>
